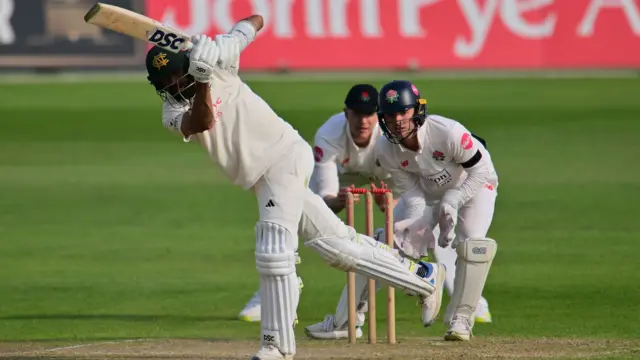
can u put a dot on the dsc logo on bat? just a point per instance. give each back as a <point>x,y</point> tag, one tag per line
<point>167,40</point>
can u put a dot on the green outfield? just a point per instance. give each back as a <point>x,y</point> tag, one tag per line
<point>112,228</point>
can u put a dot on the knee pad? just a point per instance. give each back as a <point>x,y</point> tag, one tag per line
<point>475,257</point>
<point>275,250</point>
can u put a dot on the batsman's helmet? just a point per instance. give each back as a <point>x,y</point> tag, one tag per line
<point>168,73</point>
<point>396,97</point>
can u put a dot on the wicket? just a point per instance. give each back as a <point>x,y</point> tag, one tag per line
<point>388,227</point>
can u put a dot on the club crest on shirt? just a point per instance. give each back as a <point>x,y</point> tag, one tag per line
<point>438,155</point>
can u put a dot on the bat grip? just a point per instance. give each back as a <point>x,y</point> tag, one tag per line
<point>188,46</point>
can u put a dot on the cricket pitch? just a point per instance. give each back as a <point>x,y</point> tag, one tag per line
<point>413,348</point>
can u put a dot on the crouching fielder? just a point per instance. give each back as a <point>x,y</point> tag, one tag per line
<point>207,103</point>
<point>437,161</point>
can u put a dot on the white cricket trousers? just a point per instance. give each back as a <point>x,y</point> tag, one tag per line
<point>474,220</point>
<point>281,192</point>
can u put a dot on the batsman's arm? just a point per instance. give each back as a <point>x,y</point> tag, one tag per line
<point>200,117</point>
<point>245,30</point>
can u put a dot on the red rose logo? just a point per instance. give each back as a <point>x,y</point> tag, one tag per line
<point>392,96</point>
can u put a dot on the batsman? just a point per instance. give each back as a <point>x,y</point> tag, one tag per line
<point>205,102</point>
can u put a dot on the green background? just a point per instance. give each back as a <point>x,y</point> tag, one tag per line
<point>111,227</point>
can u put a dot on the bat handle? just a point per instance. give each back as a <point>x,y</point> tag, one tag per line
<point>188,46</point>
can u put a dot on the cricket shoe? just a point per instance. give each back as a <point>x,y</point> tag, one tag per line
<point>251,311</point>
<point>327,329</point>
<point>459,330</point>
<point>270,352</point>
<point>435,275</point>
<point>482,314</point>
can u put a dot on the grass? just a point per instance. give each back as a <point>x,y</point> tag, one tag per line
<point>112,228</point>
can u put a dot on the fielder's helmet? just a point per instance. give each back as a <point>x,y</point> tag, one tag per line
<point>161,65</point>
<point>399,96</point>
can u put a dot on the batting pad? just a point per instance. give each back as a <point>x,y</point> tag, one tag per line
<point>370,258</point>
<point>474,261</point>
<point>279,288</point>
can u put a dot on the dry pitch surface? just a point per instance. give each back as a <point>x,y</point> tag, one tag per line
<point>480,348</point>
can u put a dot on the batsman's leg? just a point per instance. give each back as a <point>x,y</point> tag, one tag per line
<point>335,326</point>
<point>251,311</point>
<point>275,261</point>
<point>341,247</point>
<point>280,193</point>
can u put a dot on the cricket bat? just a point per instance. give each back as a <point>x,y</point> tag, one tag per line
<point>138,26</point>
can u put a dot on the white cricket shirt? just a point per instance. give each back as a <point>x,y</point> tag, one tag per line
<point>247,136</point>
<point>435,167</point>
<point>339,162</point>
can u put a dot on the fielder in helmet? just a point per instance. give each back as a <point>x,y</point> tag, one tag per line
<point>448,181</point>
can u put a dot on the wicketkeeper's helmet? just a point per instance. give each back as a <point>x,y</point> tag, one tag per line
<point>399,96</point>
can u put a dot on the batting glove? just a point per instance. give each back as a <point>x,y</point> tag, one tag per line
<point>447,219</point>
<point>203,58</point>
<point>229,51</point>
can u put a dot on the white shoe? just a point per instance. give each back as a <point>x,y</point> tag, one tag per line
<point>270,352</point>
<point>251,311</point>
<point>327,330</point>
<point>482,314</point>
<point>436,274</point>
<point>459,330</point>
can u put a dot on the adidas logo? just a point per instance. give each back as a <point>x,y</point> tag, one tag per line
<point>270,203</point>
